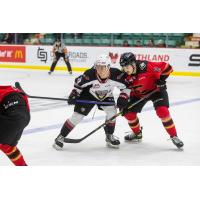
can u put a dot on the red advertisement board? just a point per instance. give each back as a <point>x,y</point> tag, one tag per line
<point>13,54</point>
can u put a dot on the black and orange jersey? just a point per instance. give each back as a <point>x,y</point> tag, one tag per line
<point>147,73</point>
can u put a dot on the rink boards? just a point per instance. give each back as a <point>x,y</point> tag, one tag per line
<point>186,62</point>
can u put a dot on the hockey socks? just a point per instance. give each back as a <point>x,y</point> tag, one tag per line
<point>164,115</point>
<point>109,128</point>
<point>13,154</point>
<point>67,128</point>
<point>133,122</point>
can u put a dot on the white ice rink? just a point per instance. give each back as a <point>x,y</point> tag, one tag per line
<point>47,117</point>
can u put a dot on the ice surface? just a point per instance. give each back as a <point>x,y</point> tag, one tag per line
<point>47,117</point>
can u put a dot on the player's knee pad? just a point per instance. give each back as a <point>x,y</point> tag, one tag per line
<point>162,111</point>
<point>130,116</point>
<point>76,118</point>
<point>110,112</point>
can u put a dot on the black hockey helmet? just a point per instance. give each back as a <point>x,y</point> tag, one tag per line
<point>127,58</point>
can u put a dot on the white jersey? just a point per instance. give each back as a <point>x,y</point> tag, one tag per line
<point>101,89</point>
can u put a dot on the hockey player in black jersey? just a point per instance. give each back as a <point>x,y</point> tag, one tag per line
<point>96,84</point>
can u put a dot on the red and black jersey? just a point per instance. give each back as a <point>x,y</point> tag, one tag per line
<point>147,73</point>
<point>6,90</point>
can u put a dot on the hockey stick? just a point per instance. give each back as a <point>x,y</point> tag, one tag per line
<point>69,140</point>
<point>18,86</point>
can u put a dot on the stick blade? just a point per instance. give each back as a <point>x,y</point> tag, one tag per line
<point>18,86</point>
<point>68,140</point>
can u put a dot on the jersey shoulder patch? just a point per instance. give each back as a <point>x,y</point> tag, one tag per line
<point>141,66</point>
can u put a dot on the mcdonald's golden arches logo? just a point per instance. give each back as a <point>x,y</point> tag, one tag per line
<point>18,54</point>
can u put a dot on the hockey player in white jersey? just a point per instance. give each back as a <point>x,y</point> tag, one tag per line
<point>96,84</point>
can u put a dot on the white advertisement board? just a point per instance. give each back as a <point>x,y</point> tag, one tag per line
<point>180,59</point>
<point>82,57</point>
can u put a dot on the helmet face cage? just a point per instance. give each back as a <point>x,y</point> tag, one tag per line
<point>127,59</point>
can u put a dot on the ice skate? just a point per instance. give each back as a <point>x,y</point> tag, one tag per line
<point>59,143</point>
<point>112,141</point>
<point>179,144</point>
<point>132,137</point>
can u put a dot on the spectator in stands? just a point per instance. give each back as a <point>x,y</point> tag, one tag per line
<point>150,43</point>
<point>22,38</point>
<point>161,43</point>
<point>33,39</point>
<point>138,43</point>
<point>126,44</point>
<point>27,41</point>
<point>8,38</point>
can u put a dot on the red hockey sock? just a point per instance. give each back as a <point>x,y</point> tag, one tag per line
<point>13,154</point>
<point>164,115</point>
<point>133,121</point>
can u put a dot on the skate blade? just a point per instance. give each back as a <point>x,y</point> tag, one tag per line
<point>112,146</point>
<point>180,148</point>
<point>133,141</point>
<point>56,147</point>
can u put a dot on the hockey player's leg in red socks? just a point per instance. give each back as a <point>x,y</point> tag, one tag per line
<point>164,115</point>
<point>134,124</point>
<point>13,154</point>
<point>133,121</point>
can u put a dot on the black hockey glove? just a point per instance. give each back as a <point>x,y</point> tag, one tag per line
<point>73,97</point>
<point>122,102</point>
<point>161,84</point>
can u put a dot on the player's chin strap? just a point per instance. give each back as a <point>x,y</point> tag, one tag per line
<point>18,86</point>
<point>69,140</point>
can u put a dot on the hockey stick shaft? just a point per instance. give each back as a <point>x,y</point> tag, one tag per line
<point>69,140</point>
<point>17,85</point>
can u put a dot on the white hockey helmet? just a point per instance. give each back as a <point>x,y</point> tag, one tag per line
<point>103,60</point>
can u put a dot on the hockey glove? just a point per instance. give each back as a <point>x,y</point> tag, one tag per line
<point>161,84</point>
<point>122,102</point>
<point>74,95</point>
